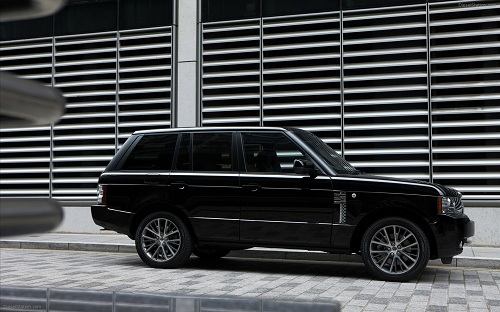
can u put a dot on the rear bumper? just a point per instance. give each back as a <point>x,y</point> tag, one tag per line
<point>111,219</point>
<point>451,232</point>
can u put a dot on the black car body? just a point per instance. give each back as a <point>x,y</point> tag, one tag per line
<point>212,190</point>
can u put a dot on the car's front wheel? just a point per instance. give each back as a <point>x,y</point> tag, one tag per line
<point>395,249</point>
<point>163,240</point>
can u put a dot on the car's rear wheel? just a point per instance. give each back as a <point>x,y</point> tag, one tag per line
<point>395,249</point>
<point>210,254</point>
<point>163,240</point>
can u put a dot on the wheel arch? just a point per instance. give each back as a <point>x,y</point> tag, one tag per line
<point>159,207</point>
<point>372,217</point>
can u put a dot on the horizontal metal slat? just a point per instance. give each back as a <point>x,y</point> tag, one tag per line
<point>385,89</point>
<point>239,96</point>
<point>380,113</point>
<point>351,42</point>
<point>384,64</point>
<point>26,56</point>
<point>228,51</point>
<point>295,34</point>
<point>462,21</point>
<point>300,117</point>
<point>395,138</point>
<point>385,101</point>
<point>469,46</point>
<point>293,46</point>
<point>308,57</point>
<point>24,149</point>
<point>467,162</point>
<point>305,82</point>
<point>305,105</point>
<point>372,126</point>
<point>235,108</point>
<point>388,151</point>
<point>139,113</point>
<point>230,85</point>
<point>377,77</point>
<point>466,149</point>
<point>463,34</point>
<point>300,69</point>
<point>375,28</point>
<point>24,160</point>
<point>300,93</point>
<point>231,62</point>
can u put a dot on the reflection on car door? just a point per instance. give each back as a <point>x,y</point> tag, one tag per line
<point>277,205</point>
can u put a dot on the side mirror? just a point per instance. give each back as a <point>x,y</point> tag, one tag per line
<point>301,166</point>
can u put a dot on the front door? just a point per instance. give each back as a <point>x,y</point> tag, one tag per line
<point>279,207</point>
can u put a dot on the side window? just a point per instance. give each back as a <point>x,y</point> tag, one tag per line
<point>212,152</point>
<point>153,152</point>
<point>270,152</point>
<point>183,162</point>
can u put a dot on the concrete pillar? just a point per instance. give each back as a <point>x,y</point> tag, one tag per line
<point>186,108</point>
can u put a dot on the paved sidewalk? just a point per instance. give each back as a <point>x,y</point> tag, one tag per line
<point>472,256</point>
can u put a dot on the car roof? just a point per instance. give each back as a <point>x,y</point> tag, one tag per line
<point>212,129</point>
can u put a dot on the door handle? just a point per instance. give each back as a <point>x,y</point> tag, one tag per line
<point>254,187</point>
<point>180,185</point>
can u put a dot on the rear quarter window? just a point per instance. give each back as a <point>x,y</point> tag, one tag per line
<point>152,152</point>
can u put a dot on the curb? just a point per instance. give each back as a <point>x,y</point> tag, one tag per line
<point>254,253</point>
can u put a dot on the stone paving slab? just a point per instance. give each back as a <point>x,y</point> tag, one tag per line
<point>438,288</point>
<point>472,256</point>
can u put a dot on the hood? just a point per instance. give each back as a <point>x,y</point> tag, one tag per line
<point>373,183</point>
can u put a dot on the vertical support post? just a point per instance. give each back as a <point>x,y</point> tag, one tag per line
<point>186,107</point>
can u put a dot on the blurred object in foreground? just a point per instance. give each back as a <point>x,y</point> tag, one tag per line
<point>103,300</point>
<point>28,103</point>
<point>24,216</point>
<point>14,10</point>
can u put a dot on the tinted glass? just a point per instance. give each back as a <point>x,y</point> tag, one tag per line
<point>34,28</point>
<point>145,13</point>
<point>153,152</point>
<point>183,162</point>
<point>327,154</point>
<point>220,10</point>
<point>87,17</point>
<point>289,7</point>
<point>363,4</point>
<point>212,152</point>
<point>270,152</point>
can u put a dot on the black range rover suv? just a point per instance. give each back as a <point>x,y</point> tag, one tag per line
<point>211,190</point>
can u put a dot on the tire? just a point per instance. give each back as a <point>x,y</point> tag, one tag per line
<point>395,249</point>
<point>163,241</point>
<point>210,254</point>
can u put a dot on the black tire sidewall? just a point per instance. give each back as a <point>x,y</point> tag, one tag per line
<point>422,261</point>
<point>185,250</point>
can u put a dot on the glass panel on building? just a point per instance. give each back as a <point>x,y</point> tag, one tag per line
<point>86,17</point>
<point>223,10</point>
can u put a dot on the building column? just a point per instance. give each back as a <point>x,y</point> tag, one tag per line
<point>185,106</point>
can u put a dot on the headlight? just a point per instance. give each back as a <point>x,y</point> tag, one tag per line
<point>450,205</point>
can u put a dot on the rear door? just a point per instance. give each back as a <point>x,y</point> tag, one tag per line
<point>205,184</point>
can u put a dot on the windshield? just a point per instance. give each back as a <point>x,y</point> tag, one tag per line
<point>327,154</point>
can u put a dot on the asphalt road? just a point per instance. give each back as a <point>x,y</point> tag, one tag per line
<point>438,289</point>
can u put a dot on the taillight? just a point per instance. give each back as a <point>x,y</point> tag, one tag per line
<point>101,194</point>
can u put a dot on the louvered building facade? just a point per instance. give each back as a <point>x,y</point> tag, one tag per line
<point>408,89</point>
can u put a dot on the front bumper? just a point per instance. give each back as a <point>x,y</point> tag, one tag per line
<point>451,232</point>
